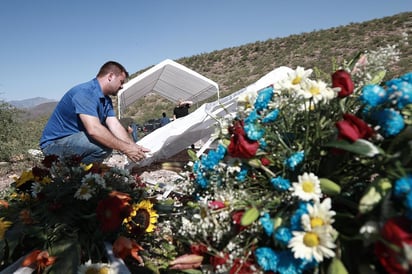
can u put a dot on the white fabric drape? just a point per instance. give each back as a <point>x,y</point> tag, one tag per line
<point>172,138</point>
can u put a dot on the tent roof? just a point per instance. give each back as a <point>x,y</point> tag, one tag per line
<point>170,80</point>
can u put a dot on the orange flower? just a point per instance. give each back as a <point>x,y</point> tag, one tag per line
<point>38,259</point>
<point>25,217</point>
<point>124,197</point>
<point>4,203</point>
<point>112,210</point>
<point>124,247</point>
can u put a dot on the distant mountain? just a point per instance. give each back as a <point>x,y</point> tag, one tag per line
<point>41,110</point>
<point>30,103</point>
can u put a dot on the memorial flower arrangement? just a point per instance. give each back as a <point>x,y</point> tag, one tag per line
<point>308,176</point>
<point>64,217</point>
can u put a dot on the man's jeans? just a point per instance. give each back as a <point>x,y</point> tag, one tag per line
<point>78,144</point>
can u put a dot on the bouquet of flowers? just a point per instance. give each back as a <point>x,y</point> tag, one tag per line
<point>67,217</point>
<point>308,177</point>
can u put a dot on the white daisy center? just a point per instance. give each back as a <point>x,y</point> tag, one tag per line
<point>311,239</point>
<point>308,186</point>
<point>314,90</point>
<point>316,221</point>
<point>296,80</point>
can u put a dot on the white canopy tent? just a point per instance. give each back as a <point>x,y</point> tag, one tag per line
<point>170,80</point>
<point>172,138</point>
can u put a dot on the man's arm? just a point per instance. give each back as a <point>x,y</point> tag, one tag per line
<point>122,142</point>
<point>118,130</point>
<point>182,103</point>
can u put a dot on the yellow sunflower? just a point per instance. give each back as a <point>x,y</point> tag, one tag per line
<point>4,225</point>
<point>142,218</point>
<point>26,176</point>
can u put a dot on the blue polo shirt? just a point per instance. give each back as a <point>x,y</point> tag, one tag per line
<point>86,98</point>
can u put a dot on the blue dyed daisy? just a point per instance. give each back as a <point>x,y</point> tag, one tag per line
<point>271,116</point>
<point>252,117</point>
<point>407,77</point>
<point>294,160</point>
<point>283,235</point>
<point>288,264</point>
<point>373,95</point>
<point>280,183</point>
<point>267,224</point>
<point>402,186</point>
<point>390,121</point>
<point>241,176</point>
<point>263,98</point>
<point>253,131</point>
<point>295,220</point>
<point>266,258</point>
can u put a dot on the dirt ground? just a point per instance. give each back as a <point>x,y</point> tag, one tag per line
<point>9,170</point>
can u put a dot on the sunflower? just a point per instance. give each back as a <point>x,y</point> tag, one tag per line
<point>142,219</point>
<point>4,225</point>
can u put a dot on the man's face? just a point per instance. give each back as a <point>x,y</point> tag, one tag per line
<point>116,82</point>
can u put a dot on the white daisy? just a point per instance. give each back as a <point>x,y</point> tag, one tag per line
<point>315,92</point>
<point>36,188</point>
<point>307,188</point>
<point>94,179</point>
<point>246,99</point>
<point>319,214</point>
<point>316,244</point>
<point>294,80</point>
<point>85,192</point>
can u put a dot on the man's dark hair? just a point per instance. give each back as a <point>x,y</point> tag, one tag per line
<point>112,66</point>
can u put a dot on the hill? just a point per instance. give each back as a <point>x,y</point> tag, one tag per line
<point>39,111</point>
<point>29,103</point>
<point>236,67</point>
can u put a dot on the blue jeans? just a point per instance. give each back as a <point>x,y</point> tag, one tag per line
<point>78,144</point>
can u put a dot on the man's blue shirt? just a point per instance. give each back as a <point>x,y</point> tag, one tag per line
<point>86,98</point>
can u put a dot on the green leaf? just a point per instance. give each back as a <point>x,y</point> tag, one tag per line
<point>378,77</point>
<point>336,267</point>
<point>329,187</point>
<point>192,155</point>
<point>361,147</point>
<point>68,255</point>
<point>374,195</point>
<point>251,215</point>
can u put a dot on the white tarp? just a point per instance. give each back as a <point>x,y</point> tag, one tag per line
<point>170,80</point>
<point>172,138</point>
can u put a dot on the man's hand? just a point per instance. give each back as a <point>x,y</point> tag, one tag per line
<point>135,152</point>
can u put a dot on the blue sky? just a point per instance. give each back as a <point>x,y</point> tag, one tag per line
<point>47,46</point>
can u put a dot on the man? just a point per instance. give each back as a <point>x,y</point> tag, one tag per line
<point>84,122</point>
<point>181,109</point>
<point>164,120</point>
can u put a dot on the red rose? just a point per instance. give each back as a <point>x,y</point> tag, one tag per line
<point>342,79</point>
<point>398,232</point>
<point>240,146</point>
<point>352,128</point>
<point>265,161</point>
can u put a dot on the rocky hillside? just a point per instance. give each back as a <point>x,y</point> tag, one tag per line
<point>236,67</point>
